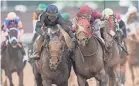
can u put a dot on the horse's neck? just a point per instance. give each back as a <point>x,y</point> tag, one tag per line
<point>91,47</point>
<point>11,51</point>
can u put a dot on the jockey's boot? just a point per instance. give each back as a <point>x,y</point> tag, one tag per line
<point>25,58</point>
<point>38,46</point>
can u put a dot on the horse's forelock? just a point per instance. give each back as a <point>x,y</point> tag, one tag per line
<point>13,33</point>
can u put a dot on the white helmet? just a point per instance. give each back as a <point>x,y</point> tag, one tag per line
<point>107,12</point>
<point>11,15</point>
<point>132,9</point>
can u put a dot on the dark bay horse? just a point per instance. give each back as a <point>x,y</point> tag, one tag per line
<point>112,63</point>
<point>89,60</point>
<point>54,65</point>
<point>12,58</point>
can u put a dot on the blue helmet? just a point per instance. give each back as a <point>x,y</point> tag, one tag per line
<point>52,12</point>
<point>52,9</point>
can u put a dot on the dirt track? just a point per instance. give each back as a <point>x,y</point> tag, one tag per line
<point>29,78</point>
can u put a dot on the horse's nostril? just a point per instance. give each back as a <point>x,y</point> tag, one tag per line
<point>14,42</point>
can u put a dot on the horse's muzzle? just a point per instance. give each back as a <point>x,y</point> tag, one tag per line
<point>53,66</point>
<point>83,42</point>
<point>14,43</point>
<point>53,63</point>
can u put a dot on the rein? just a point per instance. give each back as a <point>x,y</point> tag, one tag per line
<point>82,55</point>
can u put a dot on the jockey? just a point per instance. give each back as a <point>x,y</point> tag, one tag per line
<point>36,19</point>
<point>130,20</point>
<point>121,24</point>
<point>41,8</point>
<point>13,18</point>
<point>49,18</point>
<point>84,12</point>
<point>93,16</point>
<point>96,24</point>
<point>66,17</point>
<point>107,14</point>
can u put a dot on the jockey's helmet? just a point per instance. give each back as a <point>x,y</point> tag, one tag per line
<point>52,12</point>
<point>132,9</point>
<point>107,12</point>
<point>118,16</point>
<point>85,11</point>
<point>66,16</point>
<point>42,7</point>
<point>11,15</point>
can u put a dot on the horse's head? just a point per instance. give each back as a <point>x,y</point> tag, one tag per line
<point>12,37</point>
<point>83,31</point>
<point>55,51</point>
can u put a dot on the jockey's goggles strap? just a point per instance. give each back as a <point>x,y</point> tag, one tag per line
<point>85,16</point>
<point>50,14</point>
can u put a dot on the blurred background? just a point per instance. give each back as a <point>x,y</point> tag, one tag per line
<point>25,8</point>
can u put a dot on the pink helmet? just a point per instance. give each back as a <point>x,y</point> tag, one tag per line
<point>96,14</point>
<point>85,10</point>
<point>118,16</point>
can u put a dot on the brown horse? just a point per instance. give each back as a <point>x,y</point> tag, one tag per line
<point>88,56</point>
<point>123,59</point>
<point>112,63</point>
<point>55,65</point>
<point>133,58</point>
<point>12,58</point>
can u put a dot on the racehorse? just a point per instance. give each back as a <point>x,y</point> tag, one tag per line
<point>112,62</point>
<point>133,58</point>
<point>12,58</point>
<point>89,54</point>
<point>54,65</point>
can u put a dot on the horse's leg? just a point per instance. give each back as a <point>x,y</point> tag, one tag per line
<point>9,75</point>
<point>46,82</point>
<point>20,74</point>
<point>37,75</point>
<point>117,74</point>
<point>38,79</point>
<point>81,81</point>
<point>102,78</point>
<point>111,76</point>
<point>137,75</point>
<point>132,73</point>
<point>122,73</point>
<point>64,84</point>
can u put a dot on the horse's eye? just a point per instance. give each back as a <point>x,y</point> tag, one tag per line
<point>84,38</point>
<point>61,47</point>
